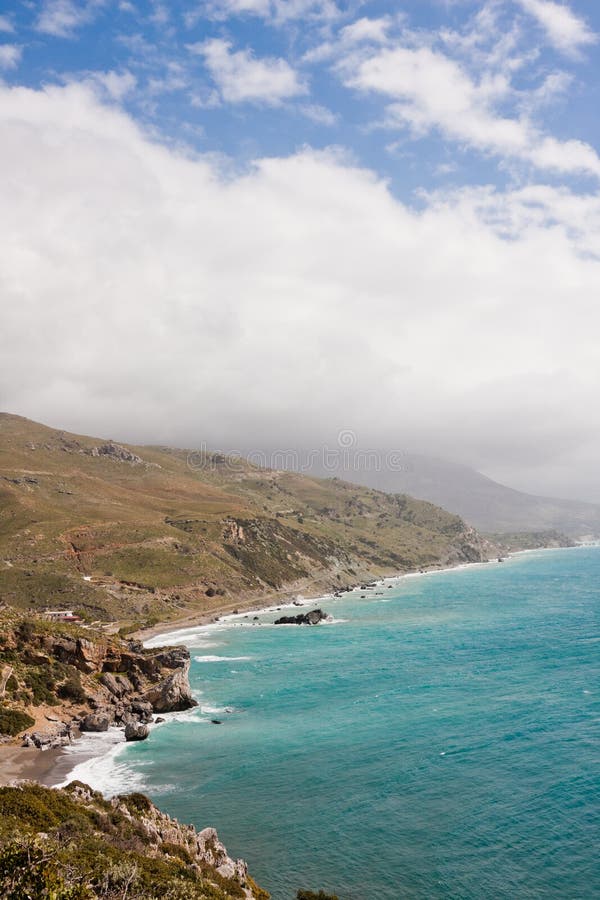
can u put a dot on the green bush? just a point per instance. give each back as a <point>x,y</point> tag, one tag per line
<point>13,721</point>
<point>28,870</point>
<point>136,802</point>
<point>42,686</point>
<point>72,688</point>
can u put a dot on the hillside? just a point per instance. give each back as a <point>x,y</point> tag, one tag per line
<point>72,844</point>
<point>482,502</point>
<point>146,534</point>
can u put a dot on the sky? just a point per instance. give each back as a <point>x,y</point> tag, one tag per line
<point>293,223</point>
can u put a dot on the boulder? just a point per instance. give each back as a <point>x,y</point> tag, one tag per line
<point>142,709</point>
<point>135,731</point>
<point>96,722</point>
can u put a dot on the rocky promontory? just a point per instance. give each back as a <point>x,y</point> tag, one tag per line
<point>63,678</point>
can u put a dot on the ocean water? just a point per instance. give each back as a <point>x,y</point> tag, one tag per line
<point>439,740</point>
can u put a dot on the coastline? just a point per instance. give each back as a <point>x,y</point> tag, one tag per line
<point>54,767</point>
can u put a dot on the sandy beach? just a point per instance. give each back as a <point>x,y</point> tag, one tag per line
<point>25,764</point>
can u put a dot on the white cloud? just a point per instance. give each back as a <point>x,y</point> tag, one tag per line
<point>565,30</point>
<point>117,85</point>
<point>277,11</point>
<point>10,56</point>
<point>62,18</point>
<point>161,302</point>
<point>365,29</point>
<point>428,90</point>
<point>6,25</point>
<point>318,114</point>
<point>241,77</point>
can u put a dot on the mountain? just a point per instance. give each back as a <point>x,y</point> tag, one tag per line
<point>141,535</point>
<point>483,503</point>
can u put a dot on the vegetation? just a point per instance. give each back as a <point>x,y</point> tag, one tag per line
<point>512,542</point>
<point>14,721</point>
<point>72,844</point>
<point>164,532</point>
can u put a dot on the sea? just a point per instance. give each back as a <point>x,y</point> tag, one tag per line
<point>438,738</point>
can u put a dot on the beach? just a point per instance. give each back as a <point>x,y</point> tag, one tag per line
<point>25,764</point>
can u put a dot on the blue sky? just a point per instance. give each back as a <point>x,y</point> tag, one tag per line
<point>263,223</point>
<point>252,78</point>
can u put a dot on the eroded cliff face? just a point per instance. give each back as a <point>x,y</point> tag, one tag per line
<point>65,677</point>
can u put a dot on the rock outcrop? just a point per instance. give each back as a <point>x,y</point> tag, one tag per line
<point>173,693</point>
<point>88,840</point>
<point>310,618</point>
<point>99,681</point>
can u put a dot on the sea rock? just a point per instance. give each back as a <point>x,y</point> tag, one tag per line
<point>96,722</point>
<point>310,618</point>
<point>135,731</point>
<point>173,693</point>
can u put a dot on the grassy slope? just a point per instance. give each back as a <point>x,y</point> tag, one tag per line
<point>155,536</point>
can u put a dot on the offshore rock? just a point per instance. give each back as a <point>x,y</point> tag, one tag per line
<point>135,731</point>
<point>311,618</point>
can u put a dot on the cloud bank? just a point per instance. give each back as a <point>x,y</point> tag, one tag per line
<point>146,296</point>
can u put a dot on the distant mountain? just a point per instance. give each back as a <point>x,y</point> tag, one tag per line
<point>480,501</point>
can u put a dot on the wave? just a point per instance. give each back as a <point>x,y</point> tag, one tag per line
<point>100,767</point>
<point>205,659</point>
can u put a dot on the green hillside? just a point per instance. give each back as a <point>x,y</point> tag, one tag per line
<point>144,534</point>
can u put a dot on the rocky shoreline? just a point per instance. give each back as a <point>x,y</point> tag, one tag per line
<point>106,683</point>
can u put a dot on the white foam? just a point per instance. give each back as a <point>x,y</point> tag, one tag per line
<point>102,771</point>
<point>209,659</point>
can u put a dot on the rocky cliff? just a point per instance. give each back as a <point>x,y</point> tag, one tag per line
<point>64,677</point>
<point>72,843</point>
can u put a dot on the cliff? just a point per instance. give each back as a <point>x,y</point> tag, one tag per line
<point>72,843</point>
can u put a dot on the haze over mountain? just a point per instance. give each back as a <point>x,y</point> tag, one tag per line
<point>486,504</point>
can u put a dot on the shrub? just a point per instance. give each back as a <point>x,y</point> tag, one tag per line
<point>13,721</point>
<point>42,686</point>
<point>72,689</point>
<point>136,802</point>
<point>29,870</point>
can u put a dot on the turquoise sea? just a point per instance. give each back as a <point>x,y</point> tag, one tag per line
<point>438,740</point>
